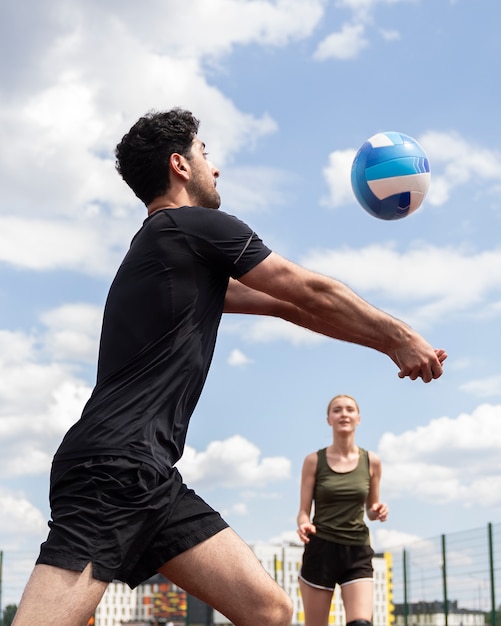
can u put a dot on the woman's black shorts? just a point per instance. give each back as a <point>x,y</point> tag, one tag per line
<point>326,563</point>
<point>123,517</point>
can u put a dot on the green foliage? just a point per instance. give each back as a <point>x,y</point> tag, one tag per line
<point>8,614</point>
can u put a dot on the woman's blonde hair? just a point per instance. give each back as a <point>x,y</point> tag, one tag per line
<point>342,395</point>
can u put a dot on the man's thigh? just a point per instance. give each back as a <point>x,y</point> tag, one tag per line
<point>224,572</point>
<point>58,596</point>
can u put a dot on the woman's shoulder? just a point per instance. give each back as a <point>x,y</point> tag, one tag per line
<point>373,459</point>
<point>370,454</point>
<point>367,453</point>
<point>311,460</point>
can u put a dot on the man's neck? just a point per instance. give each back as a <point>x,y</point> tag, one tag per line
<point>167,201</point>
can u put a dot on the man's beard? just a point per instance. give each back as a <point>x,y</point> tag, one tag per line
<point>204,195</point>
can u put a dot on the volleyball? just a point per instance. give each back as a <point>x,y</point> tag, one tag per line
<point>390,175</point>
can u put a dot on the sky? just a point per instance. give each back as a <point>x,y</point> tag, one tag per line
<point>286,91</point>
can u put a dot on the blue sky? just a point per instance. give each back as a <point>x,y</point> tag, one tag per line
<point>286,91</point>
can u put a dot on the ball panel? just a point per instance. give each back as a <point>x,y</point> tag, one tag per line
<point>403,166</point>
<point>390,208</point>
<point>383,139</point>
<point>384,187</point>
<point>390,138</point>
<point>405,150</point>
<point>395,207</point>
<point>417,198</point>
<point>361,157</point>
<point>361,190</point>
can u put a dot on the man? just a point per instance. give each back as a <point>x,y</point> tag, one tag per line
<point>119,509</point>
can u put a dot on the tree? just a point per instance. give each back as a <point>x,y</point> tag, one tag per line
<point>8,614</point>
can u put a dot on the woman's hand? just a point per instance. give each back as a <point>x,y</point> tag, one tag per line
<point>378,511</point>
<point>305,530</point>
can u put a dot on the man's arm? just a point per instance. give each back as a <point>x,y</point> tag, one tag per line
<point>284,289</point>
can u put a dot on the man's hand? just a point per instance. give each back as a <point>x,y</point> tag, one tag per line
<point>418,360</point>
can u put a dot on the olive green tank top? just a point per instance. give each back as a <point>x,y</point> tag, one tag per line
<point>340,501</point>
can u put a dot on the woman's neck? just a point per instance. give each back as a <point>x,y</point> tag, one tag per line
<point>343,446</point>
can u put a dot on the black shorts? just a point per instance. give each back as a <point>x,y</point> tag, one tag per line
<point>326,563</point>
<point>123,517</point>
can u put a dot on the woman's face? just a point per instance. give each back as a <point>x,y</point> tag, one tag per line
<point>343,414</point>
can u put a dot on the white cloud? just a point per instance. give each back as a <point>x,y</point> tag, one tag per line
<point>251,189</point>
<point>65,131</point>
<point>39,401</point>
<point>427,283</point>
<point>476,432</point>
<point>484,387</point>
<point>234,463</point>
<point>390,35</point>
<point>288,537</point>
<point>18,517</point>
<point>352,39</point>
<point>30,436</point>
<point>362,8</point>
<point>92,247</point>
<point>338,177</point>
<point>76,213</point>
<point>269,329</point>
<point>358,5</point>
<point>237,358</point>
<point>389,539</point>
<point>22,528</point>
<point>431,281</point>
<point>73,332</point>
<point>455,162</point>
<point>346,44</point>
<point>447,460</point>
<point>239,508</point>
<point>214,28</point>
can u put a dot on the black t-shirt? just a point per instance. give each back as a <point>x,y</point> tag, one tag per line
<point>159,329</point>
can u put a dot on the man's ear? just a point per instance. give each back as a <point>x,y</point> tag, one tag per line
<point>179,165</point>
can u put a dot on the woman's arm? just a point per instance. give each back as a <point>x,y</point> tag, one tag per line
<point>375,510</point>
<point>305,527</point>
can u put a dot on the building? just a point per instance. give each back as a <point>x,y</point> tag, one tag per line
<point>433,614</point>
<point>283,564</point>
<point>158,601</point>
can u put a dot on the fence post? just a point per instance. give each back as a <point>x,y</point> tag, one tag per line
<point>406,604</point>
<point>1,582</point>
<point>491,570</point>
<point>444,582</point>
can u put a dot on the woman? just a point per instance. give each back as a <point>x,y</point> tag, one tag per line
<point>342,480</point>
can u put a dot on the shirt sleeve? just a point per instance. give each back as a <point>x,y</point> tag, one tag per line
<point>222,238</point>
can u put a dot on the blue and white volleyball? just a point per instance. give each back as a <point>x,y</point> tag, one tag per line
<point>390,175</point>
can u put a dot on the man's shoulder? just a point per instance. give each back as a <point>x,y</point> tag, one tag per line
<point>193,214</point>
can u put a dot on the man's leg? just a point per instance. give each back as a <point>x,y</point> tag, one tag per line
<point>58,596</point>
<point>224,572</point>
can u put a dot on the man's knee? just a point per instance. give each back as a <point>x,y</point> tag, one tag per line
<point>286,611</point>
<point>288,607</point>
<point>279,612</point>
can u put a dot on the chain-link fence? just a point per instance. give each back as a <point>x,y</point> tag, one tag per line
<point>453,577</point>
<point>448,580</point>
